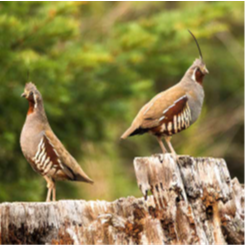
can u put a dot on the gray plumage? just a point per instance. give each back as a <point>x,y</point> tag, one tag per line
<point>42,148</point>
<point>173,110</point>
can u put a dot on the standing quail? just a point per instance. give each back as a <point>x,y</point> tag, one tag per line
<point>175,109</point>
<point>42,148</point>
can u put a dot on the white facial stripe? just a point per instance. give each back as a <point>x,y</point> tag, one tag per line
<point>35,99</point>
<point>194,75</point>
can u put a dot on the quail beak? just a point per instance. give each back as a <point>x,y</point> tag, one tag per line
<point>205,70</point>
<point>23,95</point>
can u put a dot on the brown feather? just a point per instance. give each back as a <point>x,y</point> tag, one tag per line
<point>69,164</point>
<point>150,114</point>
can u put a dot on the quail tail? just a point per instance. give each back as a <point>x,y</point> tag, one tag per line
<point>128,132</point>
<point>80,175</point>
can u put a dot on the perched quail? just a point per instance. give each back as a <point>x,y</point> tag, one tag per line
<point>42,148</point>
<point>173,110</point>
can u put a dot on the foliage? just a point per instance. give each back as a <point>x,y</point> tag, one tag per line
<point>96,64</point>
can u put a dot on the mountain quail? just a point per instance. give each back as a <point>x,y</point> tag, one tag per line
<point>42,148</point>
<point>175,109</point>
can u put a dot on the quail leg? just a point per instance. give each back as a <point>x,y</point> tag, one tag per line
<point>48,195</point>
<point>50,186</point>
<point>159,139</point>
<point>167,139</point>
<point>54,192</point>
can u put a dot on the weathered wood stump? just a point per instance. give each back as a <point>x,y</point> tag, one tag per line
<point>193,202</point>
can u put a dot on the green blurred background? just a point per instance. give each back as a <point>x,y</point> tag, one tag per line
<point>96,64</point>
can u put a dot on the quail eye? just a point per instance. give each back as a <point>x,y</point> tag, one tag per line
<point>198,73</point>
<point>30,94</point>
<point>199,70</point>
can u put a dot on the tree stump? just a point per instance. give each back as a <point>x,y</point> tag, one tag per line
<point>193,201</point>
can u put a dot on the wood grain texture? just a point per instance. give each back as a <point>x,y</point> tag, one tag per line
<point>193,202</point>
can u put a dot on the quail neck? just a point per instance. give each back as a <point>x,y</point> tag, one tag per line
<point>192,83</point>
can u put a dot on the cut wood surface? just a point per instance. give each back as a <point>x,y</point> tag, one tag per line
<point>193,201</point>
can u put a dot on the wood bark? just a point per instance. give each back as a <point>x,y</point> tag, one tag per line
<point>193,201</point>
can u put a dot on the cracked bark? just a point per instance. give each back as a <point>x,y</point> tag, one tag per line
<point>192,202</point>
